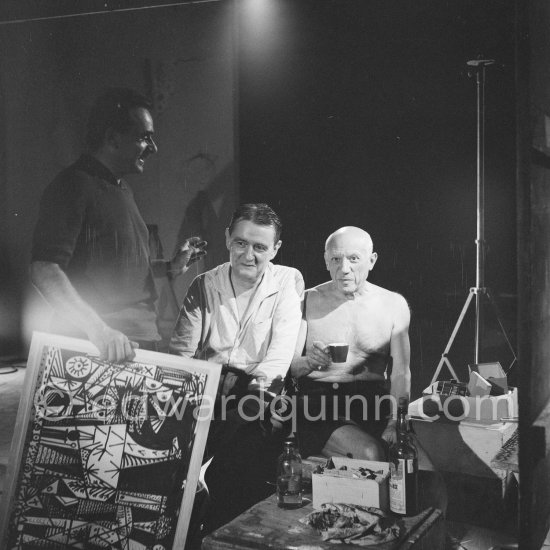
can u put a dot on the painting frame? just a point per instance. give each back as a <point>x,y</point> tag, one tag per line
<point>91,439</point>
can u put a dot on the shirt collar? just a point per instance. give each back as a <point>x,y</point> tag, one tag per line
<point>94,167</point>
<point>221,281</point>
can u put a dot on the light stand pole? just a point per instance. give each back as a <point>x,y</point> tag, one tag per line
<point>477,67</point>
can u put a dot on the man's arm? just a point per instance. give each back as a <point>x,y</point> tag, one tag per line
<point>271,371</point>
<point>187,333</point>
<point>316,358</point>
<point>60,221</point>
<point>400,350</point>
<point>300,366</point>
<point>54,285</point>
<point>191,251</point>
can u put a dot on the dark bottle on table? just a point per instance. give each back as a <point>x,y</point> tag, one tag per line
<point>403,467</point>
<point>289,476</point>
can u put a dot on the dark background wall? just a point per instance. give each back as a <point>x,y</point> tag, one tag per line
<point>348,112</point>
<point>362,113</point>
<point>50,73</point>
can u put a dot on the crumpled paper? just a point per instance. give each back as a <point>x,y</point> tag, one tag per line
<point>353,524</point>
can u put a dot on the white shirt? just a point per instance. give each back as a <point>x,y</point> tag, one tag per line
<point>262,343</point>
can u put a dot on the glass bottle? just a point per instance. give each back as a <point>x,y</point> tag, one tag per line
<point>289,476</point>
<point>403,467</point>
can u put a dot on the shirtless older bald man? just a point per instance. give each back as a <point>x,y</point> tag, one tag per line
<point>343,409</point>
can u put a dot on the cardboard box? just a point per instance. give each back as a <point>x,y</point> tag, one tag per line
<point>494,374</point>
<point>484,409</point>
<point>463,447</point>
<point>349,486</point>
<point>310,464</point>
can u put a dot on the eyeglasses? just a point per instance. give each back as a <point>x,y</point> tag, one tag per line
<point>148,138</point>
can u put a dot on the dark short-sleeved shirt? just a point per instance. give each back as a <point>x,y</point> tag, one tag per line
<point>90,225</point>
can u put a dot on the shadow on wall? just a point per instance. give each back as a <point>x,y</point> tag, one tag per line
<point>206,216</point>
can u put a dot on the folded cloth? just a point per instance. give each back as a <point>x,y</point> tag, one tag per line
<point>353,524</point>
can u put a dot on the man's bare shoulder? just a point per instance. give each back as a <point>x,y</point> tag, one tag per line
<point>321,297</point>
<point>321,290</point>
<point>385,294</point>
<point>327,290</point>
<point>390,298</point>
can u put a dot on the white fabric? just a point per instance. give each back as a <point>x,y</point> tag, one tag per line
<point>262,344</point>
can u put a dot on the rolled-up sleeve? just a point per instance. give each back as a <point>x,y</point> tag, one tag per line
<point>187,333</point>
<point>270,372</point>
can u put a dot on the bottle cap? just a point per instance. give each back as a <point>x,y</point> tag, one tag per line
<point>403,402</point>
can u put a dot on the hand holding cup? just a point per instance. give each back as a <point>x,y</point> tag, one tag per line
<point>338,352</point>
<point>318,357</point>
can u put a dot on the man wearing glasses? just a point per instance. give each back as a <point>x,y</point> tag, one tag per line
<point>90,255</point>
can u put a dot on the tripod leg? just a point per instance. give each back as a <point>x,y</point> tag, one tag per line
<point>443,361</point>
<point>451,339</point>
<point>502,329</point>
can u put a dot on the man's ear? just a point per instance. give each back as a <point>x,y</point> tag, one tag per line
<point>227,238</point>
<point>326,261</point>
<point>373,258</point>
<point>276,249</point>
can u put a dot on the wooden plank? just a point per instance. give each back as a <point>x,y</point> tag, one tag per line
<point>265,526</point>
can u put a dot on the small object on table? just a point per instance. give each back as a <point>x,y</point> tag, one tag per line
<point>289,476</point>
<point>362,482</point>
<point>353,524</point>
<point>478,386</point>
<point>451,387</point>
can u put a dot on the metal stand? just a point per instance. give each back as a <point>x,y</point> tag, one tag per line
<point>477,67</point>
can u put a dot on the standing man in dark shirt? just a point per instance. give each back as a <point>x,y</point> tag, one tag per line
<point>90,254</point>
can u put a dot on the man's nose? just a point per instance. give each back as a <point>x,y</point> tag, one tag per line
<point>249,252</point>
<point>346,265</point>
<point>152,145</point>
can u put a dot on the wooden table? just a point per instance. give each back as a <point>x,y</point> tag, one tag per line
<point>265,526</point>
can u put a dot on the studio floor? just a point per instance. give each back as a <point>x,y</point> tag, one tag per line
<point>459,535</point>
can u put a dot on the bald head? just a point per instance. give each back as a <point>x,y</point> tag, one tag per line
<point>350,234</point>
<point>349,258</point>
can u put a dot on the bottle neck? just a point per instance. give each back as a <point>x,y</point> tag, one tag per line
<point>402,425</point>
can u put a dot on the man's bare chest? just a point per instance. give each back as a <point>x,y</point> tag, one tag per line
<point>364,328</point>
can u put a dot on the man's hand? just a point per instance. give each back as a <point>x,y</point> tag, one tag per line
<point>389,435</point>
<point>318,357</point>
<point>113,346</point>
<point>192,250</point>
<point>52,282</point>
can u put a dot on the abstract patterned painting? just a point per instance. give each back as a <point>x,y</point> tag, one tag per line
<point>105,455</point>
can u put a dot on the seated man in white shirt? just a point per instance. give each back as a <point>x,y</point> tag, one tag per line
<point>244,314</point>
